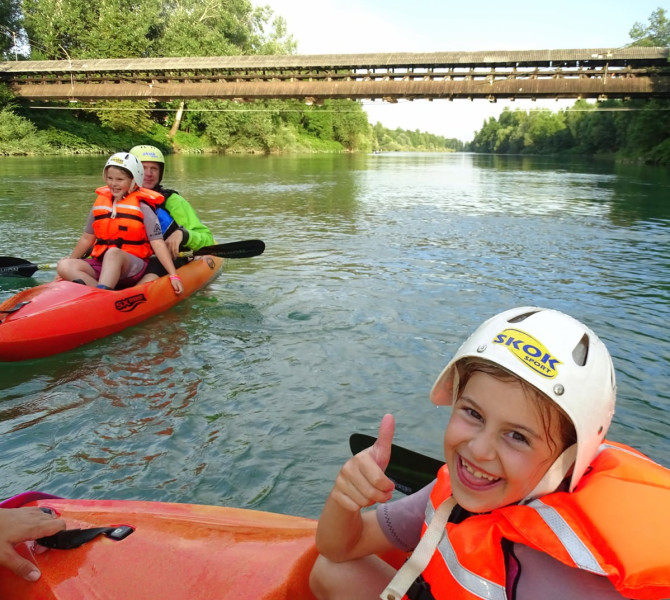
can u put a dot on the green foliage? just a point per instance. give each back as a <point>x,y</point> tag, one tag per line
<point>10,27</point>
<point>67,29</point>
<point>660,154</point>
<point>400,140</point>
<point>18,135</point>
<point>656,33</point>
<point>125,115</point>
<point>631,129</point>
<point>6,97</point>
<point>14,127</point>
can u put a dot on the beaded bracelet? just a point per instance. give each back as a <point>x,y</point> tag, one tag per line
<point>175,277</point>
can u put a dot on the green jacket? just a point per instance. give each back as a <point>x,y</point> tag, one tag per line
<point>196,235</point>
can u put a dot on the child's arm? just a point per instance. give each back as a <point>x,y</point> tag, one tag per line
<point>344,532</point>
<point>85,242</point>
<point>165,258</point>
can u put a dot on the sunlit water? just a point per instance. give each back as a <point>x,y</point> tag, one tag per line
<point>376,269</point>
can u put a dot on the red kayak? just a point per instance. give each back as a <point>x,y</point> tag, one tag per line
<point>171,551</point>
<point>60,315</point>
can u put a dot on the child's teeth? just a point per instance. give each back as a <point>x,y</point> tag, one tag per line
<point>477,474</point>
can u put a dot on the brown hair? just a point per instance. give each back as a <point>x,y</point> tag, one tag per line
<point>545,406</point>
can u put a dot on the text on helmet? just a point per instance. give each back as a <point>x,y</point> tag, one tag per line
<point>529,351</point>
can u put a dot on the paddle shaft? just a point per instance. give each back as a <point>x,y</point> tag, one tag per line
<point>409,470</point>
<point>10,265</point>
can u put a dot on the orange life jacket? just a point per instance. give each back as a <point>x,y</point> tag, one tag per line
<point>614,524</point>
<point>121,224</point>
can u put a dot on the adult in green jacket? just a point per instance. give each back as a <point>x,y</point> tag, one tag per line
<point>182,229</point>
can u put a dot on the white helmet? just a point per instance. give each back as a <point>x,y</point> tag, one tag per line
<point>130,163</point>
<point>560,357</point>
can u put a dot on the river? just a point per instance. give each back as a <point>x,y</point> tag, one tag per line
<point>376,268</point>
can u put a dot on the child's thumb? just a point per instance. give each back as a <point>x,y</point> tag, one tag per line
<point>381,449</point>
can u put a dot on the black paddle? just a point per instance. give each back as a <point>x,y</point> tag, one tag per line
<point>10,265</point>
<point>409,470</point>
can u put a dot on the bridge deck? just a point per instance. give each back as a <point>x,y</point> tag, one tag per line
<point>540,58</point>
<point>589,73</point>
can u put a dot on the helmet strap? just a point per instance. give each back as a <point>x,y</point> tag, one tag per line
<point>555,475</point>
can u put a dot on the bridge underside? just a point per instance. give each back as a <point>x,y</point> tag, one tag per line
<point>600,88</point>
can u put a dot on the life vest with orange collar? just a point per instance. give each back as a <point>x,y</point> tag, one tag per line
<point>615,524</point>
<point>120,224</point>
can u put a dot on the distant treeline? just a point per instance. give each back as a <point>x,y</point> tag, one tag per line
<point>631,130</point>
<point>397,140</point>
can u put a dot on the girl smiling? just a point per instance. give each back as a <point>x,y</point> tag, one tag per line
<point>532,502</point>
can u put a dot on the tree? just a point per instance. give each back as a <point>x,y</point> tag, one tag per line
<point>68,29</point>
<point>657,33</point>
<point>220,28</point>
<point>10,27</point>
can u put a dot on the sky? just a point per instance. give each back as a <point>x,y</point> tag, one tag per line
<point>355,26</point>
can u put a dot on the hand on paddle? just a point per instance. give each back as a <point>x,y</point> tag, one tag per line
<point>173,242</point>
<point>361,481</point>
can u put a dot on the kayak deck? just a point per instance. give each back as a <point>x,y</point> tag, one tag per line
<point>180,551</point>
<point>61,315</point>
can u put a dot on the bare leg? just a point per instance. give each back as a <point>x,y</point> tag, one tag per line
<point>148,277</point>
<point>114,262</point>
<point>76,268</point>
<point>362,579</point>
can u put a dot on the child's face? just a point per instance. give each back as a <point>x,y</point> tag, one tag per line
<point>495,444</point>
<point>118,180</point>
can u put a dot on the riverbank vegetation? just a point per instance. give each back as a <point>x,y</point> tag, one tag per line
<point>207,126</point>
<point>631,130</point>
<point>65,29</point>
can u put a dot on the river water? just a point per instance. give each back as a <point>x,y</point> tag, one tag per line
<point>376,268</point>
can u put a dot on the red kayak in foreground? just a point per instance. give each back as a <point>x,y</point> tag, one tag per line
<point>171,551</point>
<point>60,315</point>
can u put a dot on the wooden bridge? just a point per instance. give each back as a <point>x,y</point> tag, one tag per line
<point>601,73</point>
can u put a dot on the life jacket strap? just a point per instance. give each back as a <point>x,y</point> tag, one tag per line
<point>422,554</point>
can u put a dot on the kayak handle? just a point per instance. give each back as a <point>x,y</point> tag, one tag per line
<point>73,538</point>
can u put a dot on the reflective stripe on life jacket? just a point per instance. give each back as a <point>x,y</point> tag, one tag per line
<point>614,524</point>
<point>120,224</point>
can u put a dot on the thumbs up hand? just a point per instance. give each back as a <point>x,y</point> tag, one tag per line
<point>361,481</point>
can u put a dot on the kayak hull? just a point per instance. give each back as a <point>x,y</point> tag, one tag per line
<point>58,316</point>
<point>180,551</point>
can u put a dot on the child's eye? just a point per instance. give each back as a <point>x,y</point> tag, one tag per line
<point>519,437</point>
<point>471,412</point>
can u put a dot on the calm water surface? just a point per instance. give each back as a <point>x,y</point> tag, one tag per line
<point>376,269</point>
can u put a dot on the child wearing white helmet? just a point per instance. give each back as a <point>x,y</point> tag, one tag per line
<point>122,232</point>
<point>182,229</point>
<point>532,501</point>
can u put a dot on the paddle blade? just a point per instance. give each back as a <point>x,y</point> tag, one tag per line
<point>11,266</point>
<point>241,249</point>
<point>409,470</point>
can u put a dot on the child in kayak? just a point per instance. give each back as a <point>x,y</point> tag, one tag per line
<point>123,229</point>
<point>182,229</point>
<point>532,501</point>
